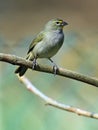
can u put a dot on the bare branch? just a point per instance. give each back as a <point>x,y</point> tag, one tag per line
<point>12,59</point>
<point>54,103</point>
<point>15,60</point>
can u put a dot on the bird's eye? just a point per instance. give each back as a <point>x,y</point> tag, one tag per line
<point>57,23</point>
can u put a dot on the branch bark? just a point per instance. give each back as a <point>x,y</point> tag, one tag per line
<point>15,60</point>
<point>54,103</point>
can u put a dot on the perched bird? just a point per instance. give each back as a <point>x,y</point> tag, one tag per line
<point>45,44</point>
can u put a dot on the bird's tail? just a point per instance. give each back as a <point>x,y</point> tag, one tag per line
<point>21,70</point>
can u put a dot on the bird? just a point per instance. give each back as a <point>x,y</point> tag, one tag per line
<point>45,44</point>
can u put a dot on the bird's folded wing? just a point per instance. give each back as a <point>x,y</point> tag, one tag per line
<point>37,39</point>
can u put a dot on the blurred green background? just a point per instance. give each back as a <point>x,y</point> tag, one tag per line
<point>20,20</point>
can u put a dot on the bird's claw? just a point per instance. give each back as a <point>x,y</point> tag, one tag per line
<point>55,68</point>
<point>34,64</point>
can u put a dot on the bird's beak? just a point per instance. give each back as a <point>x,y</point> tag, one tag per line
<point>64,23</point>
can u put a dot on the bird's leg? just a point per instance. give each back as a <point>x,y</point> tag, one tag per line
<point>34,63</point>
<point>55,67</point>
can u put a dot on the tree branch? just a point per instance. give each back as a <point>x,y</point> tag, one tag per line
<point>51,102</point>
<point>15,60</point>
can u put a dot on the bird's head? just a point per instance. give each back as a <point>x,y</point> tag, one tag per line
<point>55,24</point>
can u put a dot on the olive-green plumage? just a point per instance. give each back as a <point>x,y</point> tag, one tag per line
<point>46,44</point>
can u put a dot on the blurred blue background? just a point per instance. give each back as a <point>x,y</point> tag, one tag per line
<point>20,20</point>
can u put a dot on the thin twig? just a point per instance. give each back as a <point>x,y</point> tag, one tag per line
<point>15,60</point>
<point>54,103</point>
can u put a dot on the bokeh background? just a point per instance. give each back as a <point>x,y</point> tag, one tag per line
<point>20,20</point>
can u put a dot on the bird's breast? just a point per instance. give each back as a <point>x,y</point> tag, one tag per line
<point>50,45</point>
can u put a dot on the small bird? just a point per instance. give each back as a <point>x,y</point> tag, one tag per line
<point>45,44</point>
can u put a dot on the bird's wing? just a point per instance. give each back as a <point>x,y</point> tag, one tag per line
<point>37,39</point>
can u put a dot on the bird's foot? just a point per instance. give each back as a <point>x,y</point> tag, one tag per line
<point>34,64</point>
<point>55,68</point>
